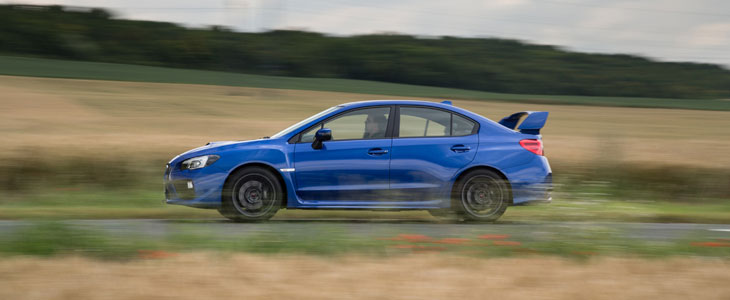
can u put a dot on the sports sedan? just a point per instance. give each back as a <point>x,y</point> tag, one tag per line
<point>373,155</point>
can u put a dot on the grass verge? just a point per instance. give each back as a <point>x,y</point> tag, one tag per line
<point>81,189</point>
<point>59,238</point>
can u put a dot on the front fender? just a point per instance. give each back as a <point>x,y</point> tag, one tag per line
<point>278,157</point>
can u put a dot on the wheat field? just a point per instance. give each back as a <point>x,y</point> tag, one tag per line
<point>60,117</point>
<point>416,276</point>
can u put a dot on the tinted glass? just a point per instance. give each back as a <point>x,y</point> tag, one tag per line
<point>461,126</point>
<point>370,123</point>
<point>418,121</point>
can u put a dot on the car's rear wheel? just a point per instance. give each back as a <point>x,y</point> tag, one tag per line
<point>251,194</point>
<point>482,196</point>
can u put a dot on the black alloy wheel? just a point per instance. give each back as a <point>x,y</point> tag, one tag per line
<point>251,194</point>
<point>482,196</point>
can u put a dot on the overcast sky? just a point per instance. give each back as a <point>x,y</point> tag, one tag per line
<point>668,30</point>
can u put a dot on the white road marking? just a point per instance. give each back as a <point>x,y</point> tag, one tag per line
<point>720,229</point>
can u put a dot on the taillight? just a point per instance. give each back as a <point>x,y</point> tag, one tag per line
<point>534,146</point>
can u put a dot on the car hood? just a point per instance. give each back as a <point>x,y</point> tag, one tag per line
<point>214,147</point>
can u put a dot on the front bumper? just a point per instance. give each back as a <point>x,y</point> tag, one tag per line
<point>200,188</point>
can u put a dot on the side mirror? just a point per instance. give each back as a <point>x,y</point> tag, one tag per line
<point>324,134</point>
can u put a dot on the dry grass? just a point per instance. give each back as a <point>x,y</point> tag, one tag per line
<point>81,116</point>
<point>243,276</point>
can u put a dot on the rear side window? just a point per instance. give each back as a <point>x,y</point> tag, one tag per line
<point>461,126</point>
<point>428,122</point>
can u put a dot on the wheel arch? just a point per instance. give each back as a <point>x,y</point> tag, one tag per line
<point>487,168</point>
<point>273,170</point>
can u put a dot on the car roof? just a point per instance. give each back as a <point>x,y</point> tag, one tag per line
<point>395,102</point>
<point>445,106</point>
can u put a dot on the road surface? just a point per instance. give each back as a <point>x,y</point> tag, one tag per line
<point>359,228</point>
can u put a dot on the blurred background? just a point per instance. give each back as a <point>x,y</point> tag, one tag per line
<point>98,95</point>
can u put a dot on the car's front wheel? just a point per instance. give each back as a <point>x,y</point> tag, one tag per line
<point>251,194</point>
<point>481,195</point>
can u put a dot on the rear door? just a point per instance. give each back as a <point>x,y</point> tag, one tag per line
<point>429,146</point>
<point>351,167</point>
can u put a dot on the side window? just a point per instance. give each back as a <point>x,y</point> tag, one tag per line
<point>308,136</point>
<point>418,122</point>
<point>369,123</point>
<point>461,126</point>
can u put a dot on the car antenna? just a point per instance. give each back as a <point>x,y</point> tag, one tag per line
<point>447,102</point>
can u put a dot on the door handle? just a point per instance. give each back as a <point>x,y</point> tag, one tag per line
<point>377,151</point>
<point>460,148</point>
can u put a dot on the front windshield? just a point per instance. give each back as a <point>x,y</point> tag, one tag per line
<point>305,121</point>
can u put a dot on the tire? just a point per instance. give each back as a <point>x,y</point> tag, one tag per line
<point>251,194</point>
<point>481,196</point>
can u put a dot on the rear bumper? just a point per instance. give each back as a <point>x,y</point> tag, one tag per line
<point>533,193</point>
<point>535,187</point>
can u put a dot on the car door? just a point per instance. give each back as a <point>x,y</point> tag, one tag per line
<point>429,146</point>
<point>353,166</point>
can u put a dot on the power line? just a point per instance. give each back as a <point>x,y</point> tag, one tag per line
<point>526,20</point>
<point>644,42</point>
<point>666,11</point>
<point>523,19</point>
<point>501,33</point>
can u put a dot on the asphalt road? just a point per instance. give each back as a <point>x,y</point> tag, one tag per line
<point>356,228</point>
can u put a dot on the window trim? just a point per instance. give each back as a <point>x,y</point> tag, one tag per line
<point>297,138</point>
<point>396,126</point>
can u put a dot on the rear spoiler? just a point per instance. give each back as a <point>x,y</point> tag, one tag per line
<point>532,124</point>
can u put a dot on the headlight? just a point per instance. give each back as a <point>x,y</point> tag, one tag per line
<point>199,162</point>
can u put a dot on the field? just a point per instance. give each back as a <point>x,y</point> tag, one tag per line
<point>39,67</point>
<point>215,276</point>
<point>95,149</point>
<point>92,148</point>
<point>78,117</point>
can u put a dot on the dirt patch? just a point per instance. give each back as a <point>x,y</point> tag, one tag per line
<point>246,276</point>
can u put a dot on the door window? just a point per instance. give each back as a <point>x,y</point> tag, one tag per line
<point>369,123</point>
<point>418,122</point>
<point>428,122</point>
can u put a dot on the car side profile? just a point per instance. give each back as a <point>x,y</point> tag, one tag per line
<point>373,155</point>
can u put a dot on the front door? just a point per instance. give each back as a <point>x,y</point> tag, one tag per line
<point>353,166</point>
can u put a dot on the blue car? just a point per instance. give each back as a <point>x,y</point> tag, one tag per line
<point>372,155</point>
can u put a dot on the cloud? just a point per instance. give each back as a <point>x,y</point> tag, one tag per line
<point>710,35</point>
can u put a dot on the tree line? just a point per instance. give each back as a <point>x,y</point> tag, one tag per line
<point>488,64</point>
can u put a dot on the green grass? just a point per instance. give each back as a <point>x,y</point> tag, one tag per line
<point>58,238</point>
<point>92,202</point>
<point>588,209</point>
<point>81,188</point>
<point>49,238</point>
<point>38,67</point>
